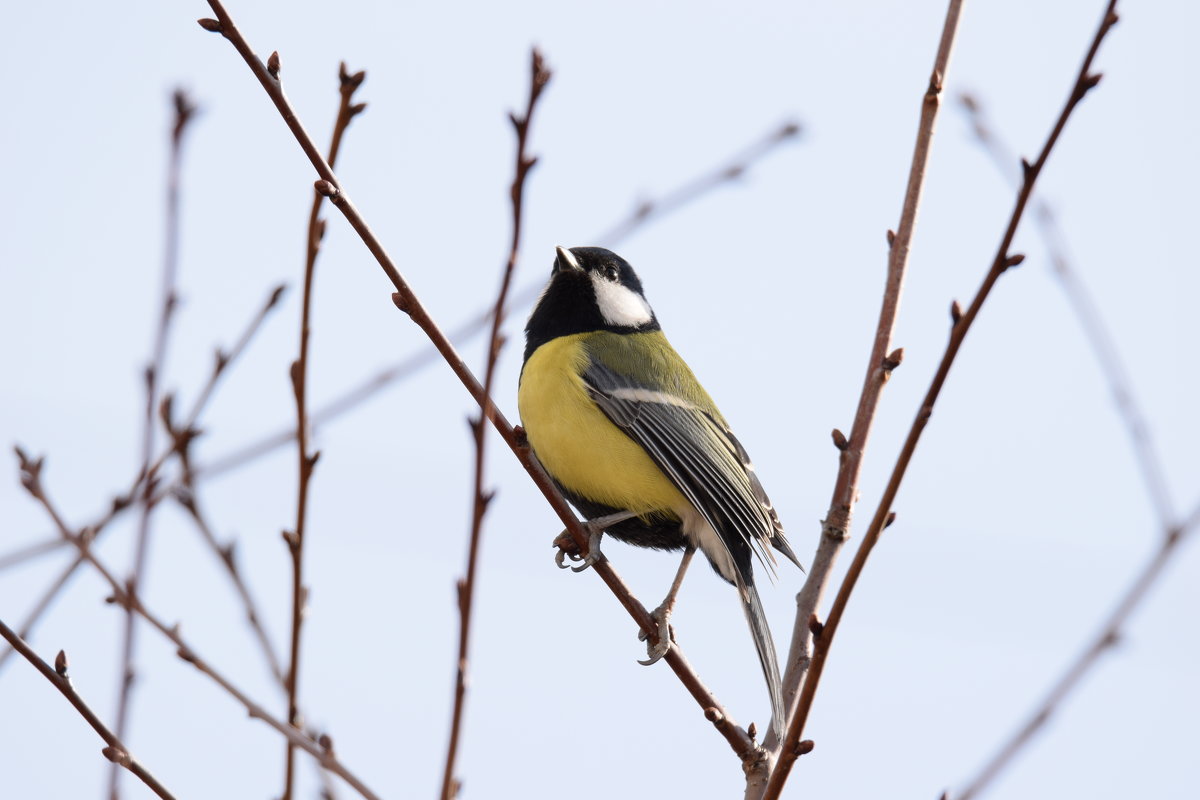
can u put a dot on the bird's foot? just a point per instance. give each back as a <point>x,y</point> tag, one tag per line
<point>567,548</point>
<point>666,635</point>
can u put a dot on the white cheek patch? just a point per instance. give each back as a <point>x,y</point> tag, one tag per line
<point>619,305</point>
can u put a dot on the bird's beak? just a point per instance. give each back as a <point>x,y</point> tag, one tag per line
<point>566,261</point>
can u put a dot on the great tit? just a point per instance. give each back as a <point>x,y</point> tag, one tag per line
<point>633,440</point>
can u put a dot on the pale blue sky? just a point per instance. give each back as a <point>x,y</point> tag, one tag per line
<point>1022,517</point>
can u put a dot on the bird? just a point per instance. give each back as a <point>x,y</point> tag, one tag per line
<point>630,437</point>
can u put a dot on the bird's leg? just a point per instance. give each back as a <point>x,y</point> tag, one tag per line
<point>662,615</point>
<point>595,528</point>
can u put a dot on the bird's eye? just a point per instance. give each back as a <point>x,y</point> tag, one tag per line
<point>610,272</point>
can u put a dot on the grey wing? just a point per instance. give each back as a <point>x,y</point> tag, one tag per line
<point>700,456</point>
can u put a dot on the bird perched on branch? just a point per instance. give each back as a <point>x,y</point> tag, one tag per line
<point>633,440</point>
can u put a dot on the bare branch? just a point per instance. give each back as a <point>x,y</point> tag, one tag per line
<point>406,300</point>
<point>1150,466</point>
<point>347,111</point>
<point>1090,320</point>
<point>184,112</point>
<point>42,605</point>
<point>29,552</point>
<point>835,529</point>
<point>116,751</point>
<point>1109,634</point>
<point>180,437</point>
<point>227,554</point>
<point>539,77</point>
<point>31,479</point>
<point>1084,82</point>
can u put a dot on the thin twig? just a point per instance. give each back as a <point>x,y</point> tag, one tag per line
<point>185,434</point>
<point>539,77</point>
<point>835,529</point>
<point>347,110</point>
<point>320,748</point>
<point>406,300</point>
<point>1150,466</point>
<point>227,553</point>
<point>1110,633</point>
<point>42,605</point>
<point>184,112</point>
<point>698,187</point>
<point>116,751</point>
<point>962,321</point>
<point>1090,320</point>
<point>643,213</point>
<point>29,552</point>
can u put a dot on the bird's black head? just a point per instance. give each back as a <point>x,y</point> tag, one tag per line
<point>590,289</point>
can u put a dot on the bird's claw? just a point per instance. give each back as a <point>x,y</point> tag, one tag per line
<point>568,549</point>
<point>666,637</point>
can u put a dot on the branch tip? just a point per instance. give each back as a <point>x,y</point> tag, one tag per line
<point>1014,260</point>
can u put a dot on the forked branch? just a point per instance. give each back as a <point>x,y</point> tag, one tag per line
<point>835,529</point>
<point>962,321</point>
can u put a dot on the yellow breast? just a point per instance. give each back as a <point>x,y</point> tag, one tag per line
<point>578,445</point>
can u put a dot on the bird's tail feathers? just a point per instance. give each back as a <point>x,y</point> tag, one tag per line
<point>765,645</point>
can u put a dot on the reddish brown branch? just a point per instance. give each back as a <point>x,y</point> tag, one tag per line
<point>644,212</point>
<point>185,433</point>
<point>115,751</point>
<point>1150,466</point>
<point>406,300</point>
<point>1003,260</point>
<point>835,529</point>
<point>1090,320</point>
<point>539,77</point>
<point>320,748</point>
<point>42,605</point>
<point>347,110</point>
<point>227,554</point>
<point>184,112</point>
